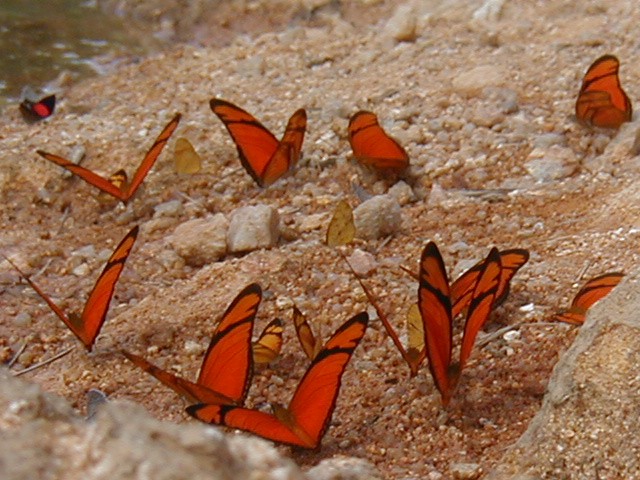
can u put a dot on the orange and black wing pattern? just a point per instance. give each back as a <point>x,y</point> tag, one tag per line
<point>228,363</point>
<point>462,288</point>
<point>87,326</point>
<point>372,146</point>
<point>108,186</point>
<point>602,102</point>
<point>434,303</point>
<point>267,348</point>
<point>310,343</point>
<point>593,291</point>
<point>264,157</point>
<point>304,422</point>
<point>483,298</point>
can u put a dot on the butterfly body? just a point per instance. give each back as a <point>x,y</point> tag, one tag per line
<point>264,157</point>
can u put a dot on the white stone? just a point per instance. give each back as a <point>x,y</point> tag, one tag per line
<point>202,240</point>
<point>253,227</point>
<point>402,24</point>
<point>363,263</point>
<point>550,164</point>
<point>377,217</point>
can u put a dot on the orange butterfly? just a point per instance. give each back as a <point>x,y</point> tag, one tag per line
<point>228,363</point>
<point>462,288</point>
<point>372,146</point>
<point>267,348</point>
<point>87,326</point>
<point>593,291</point>
<point>512,260</point>
<point>602,102</point>
<point>118,188</point>
<point>264,157</point>
<point>306,419</point>
<point>434,302</point>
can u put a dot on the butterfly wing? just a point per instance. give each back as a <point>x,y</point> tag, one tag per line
<point>186,159</point>
<point>151,156</point>
<point>57,310</point>
<point>256,145</point>
<point>190,390</point>
<point>602,102</point>
<point>482,300</point>
<point>593,291</point>
<point>310,344</point>
<point>315,398</point>
<point>462,289</point>
<point>341,230</point>
<point>288,152</point>
<point>372,146</point>
<point>306,419</point>
<point>434,302</point>
<point>416,350</point>
<point>228,362</point>
<point>86,175</point>
<point>34,111</point>
<point>267,348</point>
<point>259,423</point>
<point>97,305</point>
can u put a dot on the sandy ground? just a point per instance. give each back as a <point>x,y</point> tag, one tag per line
<point>468,174</point>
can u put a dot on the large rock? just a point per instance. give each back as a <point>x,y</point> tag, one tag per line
<point>41,433</point>
<point>590,418</point>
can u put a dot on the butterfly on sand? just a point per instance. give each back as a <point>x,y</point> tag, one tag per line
<point>592,291</point>
<point>372,146</point>
<point>118,186</point>
<point>263,156</point>
<point>228,362</point>
<point>87,325</point>
<point>304,422</point>
<point>601,101</point>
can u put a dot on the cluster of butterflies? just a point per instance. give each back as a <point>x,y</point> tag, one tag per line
<point>263,156</point>
<point>219,393</point>
<point>601,102</point>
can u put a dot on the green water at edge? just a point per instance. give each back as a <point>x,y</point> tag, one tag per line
<point>39,39</point>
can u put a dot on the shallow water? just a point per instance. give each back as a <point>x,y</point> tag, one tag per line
<point>40,39</point>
